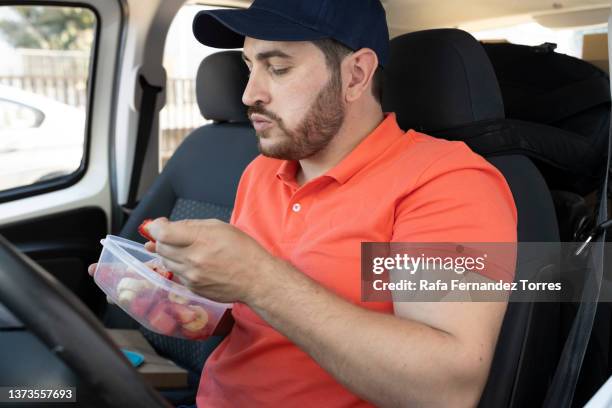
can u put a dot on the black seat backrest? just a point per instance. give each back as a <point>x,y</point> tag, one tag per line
<point>563,92</point>
<point>200,180</point>
<point>441,82</point>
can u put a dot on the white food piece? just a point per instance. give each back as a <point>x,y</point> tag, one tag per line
<point>133,284</point>
<point>199,322</point>
<point>126,297</point>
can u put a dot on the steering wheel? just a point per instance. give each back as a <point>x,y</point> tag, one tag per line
<point>72,332</point>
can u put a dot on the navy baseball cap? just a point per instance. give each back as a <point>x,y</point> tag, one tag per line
<point>355,23</point>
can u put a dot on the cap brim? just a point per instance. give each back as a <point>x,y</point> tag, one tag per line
<point>227,28</point>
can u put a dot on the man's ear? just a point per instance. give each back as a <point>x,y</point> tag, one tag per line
<point>360,67</point>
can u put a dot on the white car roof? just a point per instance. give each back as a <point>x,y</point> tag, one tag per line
<point>42,103</point>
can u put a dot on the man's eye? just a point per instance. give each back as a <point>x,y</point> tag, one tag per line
<point>279,71</point>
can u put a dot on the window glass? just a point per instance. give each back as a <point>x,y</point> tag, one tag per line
<point>182,57</point>
<point>46,55</point>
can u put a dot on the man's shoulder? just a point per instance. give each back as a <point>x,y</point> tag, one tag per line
<point>435,149</point>
<point>455,187</point>
<point>424,157</point>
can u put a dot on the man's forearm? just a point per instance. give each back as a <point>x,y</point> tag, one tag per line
<point>386,360</point>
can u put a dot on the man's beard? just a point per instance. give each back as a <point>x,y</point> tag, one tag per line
<point>322,122</point>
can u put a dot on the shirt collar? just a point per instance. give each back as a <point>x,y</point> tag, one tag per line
<point>287,171</point>
<point>365,152</point>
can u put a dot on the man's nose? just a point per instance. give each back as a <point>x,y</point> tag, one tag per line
<point>255,91</point>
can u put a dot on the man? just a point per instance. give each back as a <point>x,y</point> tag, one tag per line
<point>335,171</point>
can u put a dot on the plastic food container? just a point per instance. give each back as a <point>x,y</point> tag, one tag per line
<point>125,272</point>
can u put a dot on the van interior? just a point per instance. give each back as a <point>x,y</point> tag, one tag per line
<point>524,83</point>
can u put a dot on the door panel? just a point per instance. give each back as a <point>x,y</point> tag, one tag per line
<point>64,244</point>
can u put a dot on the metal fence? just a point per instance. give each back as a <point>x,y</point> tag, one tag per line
<point>179,116</point>
<point>69,90</point>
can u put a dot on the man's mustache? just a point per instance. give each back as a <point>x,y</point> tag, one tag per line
<point>260,110</point>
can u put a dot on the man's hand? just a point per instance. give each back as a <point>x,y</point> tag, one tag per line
<point>212,258</point>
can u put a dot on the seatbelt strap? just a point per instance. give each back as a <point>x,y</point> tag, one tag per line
<point>561,391</point>
<point>148,101</point>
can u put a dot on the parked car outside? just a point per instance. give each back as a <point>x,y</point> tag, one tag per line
<point>40,138</point>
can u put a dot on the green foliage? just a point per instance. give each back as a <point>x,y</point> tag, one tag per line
<point>47,27</point>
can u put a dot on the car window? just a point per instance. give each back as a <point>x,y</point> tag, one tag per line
<point>44,77</point>
<point>182,57</point>
<point>14,116</point>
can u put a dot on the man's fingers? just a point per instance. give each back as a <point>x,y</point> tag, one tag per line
<point>170,252</point>
<point>175,267</point>
<point>92,268</point>
<point>179,233</point>
<point>150,246</point>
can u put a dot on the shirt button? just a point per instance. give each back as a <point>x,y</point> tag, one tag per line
<point>296,207</point>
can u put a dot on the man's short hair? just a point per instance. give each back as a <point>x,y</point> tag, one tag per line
<point>335,52</point>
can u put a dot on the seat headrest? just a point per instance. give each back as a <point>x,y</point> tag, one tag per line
<point>440,79</point>
<point>220,83</point>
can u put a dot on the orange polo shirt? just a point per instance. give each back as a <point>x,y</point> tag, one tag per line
<point>394,186</point>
